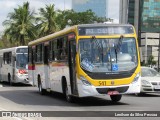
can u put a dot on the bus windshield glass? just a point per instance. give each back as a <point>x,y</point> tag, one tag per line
<point>108,55</point>
<point>22,61</point>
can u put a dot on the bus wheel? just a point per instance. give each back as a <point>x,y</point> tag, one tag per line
<point>115,98</point>
<point>69,98</point>
<point>41,90</point>
<point>9,79</point>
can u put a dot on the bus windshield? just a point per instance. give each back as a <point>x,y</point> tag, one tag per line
<point>22,61</point>
<point>108,55</point>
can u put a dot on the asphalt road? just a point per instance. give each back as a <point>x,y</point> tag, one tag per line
<point>27,98</point>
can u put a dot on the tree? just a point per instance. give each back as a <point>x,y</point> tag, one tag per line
<point>151,60</point>
<point>103,19</point>
<point>63,18</point>
<point>46,23</point>
<point>70,18</point>
<point>4,43</point>
<point>20,26</point>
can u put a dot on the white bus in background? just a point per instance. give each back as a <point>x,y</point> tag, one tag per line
<point>14,65</point>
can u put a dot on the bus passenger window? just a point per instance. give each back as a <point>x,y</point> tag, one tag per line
<point>54,47</point>
<point>39,53</point>
<point>7,57</point>
<point>63,50</point>
<point>50,51</point>
<point>59,47</point>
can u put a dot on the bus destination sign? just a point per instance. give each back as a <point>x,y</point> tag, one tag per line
<point>113,30</point>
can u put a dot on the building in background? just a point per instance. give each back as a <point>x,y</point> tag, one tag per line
<point>99,7</point>
<point>145,16</point>
<point>129,13</point>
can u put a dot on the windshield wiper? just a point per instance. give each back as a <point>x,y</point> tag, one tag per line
<point>116,55</point>
<point>99,46</point>
<point>118,46</point>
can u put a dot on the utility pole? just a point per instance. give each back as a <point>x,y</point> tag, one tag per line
<point>158,52</point>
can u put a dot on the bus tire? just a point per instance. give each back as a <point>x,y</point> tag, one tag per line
<point>115,98</point>
<point>9,79</point>
<point>68,97</point>
<point>41,90</point>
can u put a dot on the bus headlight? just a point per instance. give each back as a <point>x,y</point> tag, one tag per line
<point>136,78</point>
<point>19,75</point>
<point>84,81</point>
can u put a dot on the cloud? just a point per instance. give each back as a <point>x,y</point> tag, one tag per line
<point>7,4</point>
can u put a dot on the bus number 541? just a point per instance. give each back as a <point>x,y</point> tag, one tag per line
<point>102,83</point>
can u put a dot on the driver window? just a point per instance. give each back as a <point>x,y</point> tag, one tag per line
<point>85,50</point>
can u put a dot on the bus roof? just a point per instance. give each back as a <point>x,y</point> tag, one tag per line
<point>13,49</point>
<point>103,24</point>
<point>56,34</point>
<point>70,29</point>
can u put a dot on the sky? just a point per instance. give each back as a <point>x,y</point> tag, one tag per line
<point>6,6</point>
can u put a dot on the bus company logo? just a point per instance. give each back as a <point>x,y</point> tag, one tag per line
<point>6,114</point>
<point>112,82</point>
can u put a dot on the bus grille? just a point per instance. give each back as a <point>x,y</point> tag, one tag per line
<point>119,89</point>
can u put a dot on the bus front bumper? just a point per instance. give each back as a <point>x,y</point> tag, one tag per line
<point>23,79</point>
<point>86,91</point>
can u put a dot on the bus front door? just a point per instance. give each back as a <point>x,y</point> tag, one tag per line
<point>72,66</point>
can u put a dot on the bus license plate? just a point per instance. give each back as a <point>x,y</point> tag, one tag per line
<point>113,92</point>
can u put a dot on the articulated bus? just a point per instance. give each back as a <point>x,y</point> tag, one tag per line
<point>14,65</point>
<point>87,60</point>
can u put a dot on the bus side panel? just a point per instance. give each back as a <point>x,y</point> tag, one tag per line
<point>47,79</point>
<point>6,70</point>
<point>57,71</point>
<point>31,75</point>
<point>39,71</point>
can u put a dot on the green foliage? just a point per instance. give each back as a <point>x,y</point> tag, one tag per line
<point>151,60</point>
<point>70,18</point>
<point>20,26</point>
<point>46,22</point>
<point>24,25</point>
<point>5,43</point>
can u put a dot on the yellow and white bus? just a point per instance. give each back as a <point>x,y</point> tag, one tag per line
<point>87,60</point>
<point>14,65</point>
